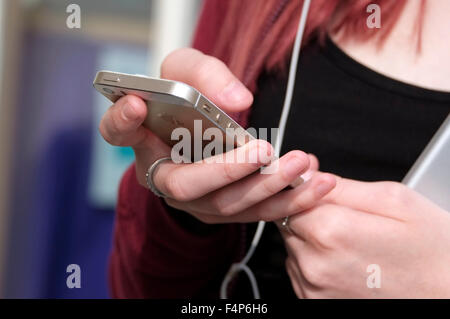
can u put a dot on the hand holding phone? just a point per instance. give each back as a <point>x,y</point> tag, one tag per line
<point>211,192</point>
<point>175,108</point>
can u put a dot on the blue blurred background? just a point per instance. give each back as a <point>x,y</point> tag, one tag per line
<point>58,178</point>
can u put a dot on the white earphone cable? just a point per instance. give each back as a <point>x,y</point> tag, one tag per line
<point>242,265</point>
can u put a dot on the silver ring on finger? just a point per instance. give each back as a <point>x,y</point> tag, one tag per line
<point>149,177</point>
<point>285,225</point>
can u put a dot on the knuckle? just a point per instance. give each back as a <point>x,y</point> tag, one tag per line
<point>201,217</point>
<point>175,204</point>
<point>328,232</point>
<point>174,188</point>
<point>114,127</point>
<point>299,203</point>
<point>314,271</point>
<point>337,191</point>
<point>268,188</point>
<point>228,172</point>
<point>285,178</point>
<point>396,193</point>
<point>398,190</point>
<point>204,218</point>
<point>391,189</point>
<point>115,131</point>
<point>325,235</point>
<point>185,209</point>
<point>222,206</point>
<point>104,132</point>
<point>111,132</point>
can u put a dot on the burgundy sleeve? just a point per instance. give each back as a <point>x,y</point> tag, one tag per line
<point>209,24</point>
<point>156,256</point>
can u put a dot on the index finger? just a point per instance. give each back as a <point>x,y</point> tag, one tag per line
<point>210,76</point>
<point>185,182</point>
<point>379,198</point>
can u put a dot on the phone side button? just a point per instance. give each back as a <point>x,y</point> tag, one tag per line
<point>111,79</point>
<point>206,107</point>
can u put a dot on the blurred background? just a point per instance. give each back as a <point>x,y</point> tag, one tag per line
<point>58,179</point>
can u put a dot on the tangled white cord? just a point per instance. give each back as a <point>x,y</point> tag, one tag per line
<point>242,265</point>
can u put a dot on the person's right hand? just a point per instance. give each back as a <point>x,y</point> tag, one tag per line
<point>211,191</point>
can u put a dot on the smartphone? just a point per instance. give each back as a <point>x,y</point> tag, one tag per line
<point>430,174</point>
<point>171,105</point>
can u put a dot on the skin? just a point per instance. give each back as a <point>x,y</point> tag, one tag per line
<point>359,224</point>
<point>398,57</point>
<point>383,223</point>
<point>209,190</point>
<point>339,226</point>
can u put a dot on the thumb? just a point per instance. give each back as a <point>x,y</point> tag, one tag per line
<point>208,75</point>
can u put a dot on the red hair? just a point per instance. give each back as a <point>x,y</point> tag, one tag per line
<point>259,34</point>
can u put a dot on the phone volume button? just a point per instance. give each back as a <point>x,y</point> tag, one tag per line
<point>207,108</point>
<point>111,79</point>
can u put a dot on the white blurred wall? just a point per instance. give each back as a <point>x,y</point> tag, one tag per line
<point>172,27</point>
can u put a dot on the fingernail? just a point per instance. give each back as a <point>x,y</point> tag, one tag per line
<point>293,166</point>
<point>323,188</point>
<point>129,113</point>
<point>265,154</point>
<point>307,176</point>
<point>234,92</point>
<point>254,154</point>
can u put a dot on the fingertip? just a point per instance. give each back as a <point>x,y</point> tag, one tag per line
<point>235,97</point>
<point>138,103</point>
<point>265,150</point>
<point>331,178</point>
<point>244,102</point>
<point>297,162</point>
<point>301,156</point>
<point>265,145</point>
<point>326,183</point>
<point>314,162</point>
<point>133,108</point>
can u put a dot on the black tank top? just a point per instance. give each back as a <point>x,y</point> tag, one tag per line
<point>359,123</point>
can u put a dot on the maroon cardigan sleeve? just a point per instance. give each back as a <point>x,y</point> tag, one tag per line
<point>153,255</point>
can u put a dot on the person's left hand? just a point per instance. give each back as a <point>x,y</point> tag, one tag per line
<point>364,235</point>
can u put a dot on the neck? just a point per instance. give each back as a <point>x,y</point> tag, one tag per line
<point>399,58</point>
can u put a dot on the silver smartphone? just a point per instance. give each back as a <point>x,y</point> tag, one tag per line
<point>430,174</point>
<point>171,105</point>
